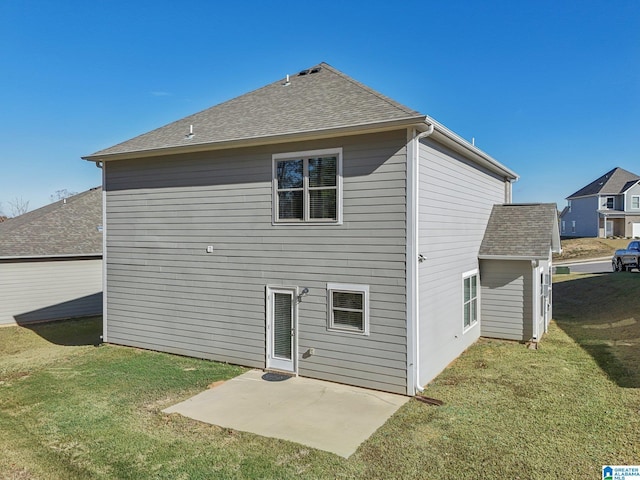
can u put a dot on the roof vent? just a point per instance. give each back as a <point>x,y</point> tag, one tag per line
<point>303,72</point>
<point>315,70</point>
<point>190,134</point>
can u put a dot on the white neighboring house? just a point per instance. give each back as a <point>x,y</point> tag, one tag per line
<point>312,226</point>
<point>51,261</point>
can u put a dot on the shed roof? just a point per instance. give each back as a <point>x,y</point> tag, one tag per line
<point>613,182</point>
<point>524,231</point>
<point>67,227</point>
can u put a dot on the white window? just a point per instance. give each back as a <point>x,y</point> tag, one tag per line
<point>635,202</point>
<point>470,309</point>
<point>563,225</point>
<point>573,226</point>
<point>348,307</point>
<point>610,203</point>
<point>307,187</point>
<point>569,205</point>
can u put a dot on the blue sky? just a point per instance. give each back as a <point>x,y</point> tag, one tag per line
<point>549,88</point>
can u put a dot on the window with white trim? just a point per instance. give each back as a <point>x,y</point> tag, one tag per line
<point>569,205</point>
<point>563,226</point>
<point>348,307</point>
<point>470,308</point>
<point>635,202</point>
<point>573,226</point>
<point>610,203</point>
<point>307,187</point>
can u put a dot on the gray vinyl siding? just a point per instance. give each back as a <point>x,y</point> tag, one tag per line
<point>507,295</point>
<point>166,293</point>
<point>633,191</point>
<point>33,291</point>
<point>584,211</point>
<point>455,202</point>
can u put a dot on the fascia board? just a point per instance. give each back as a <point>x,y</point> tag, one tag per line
<point>264,140</point>
<point>447,137</point>
<point>52,257</point>
<point>511,257</point>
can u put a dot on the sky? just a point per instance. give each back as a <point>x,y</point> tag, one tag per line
<point>550,88</point>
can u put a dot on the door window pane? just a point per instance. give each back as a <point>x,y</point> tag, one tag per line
<point>282,325</point>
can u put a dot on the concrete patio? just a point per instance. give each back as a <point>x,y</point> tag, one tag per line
<point>327,416</point>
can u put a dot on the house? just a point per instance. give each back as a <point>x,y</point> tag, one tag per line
<point>515,265</point>
<point>311,226</point>
<point>607,207</point>
<point>51,261</point>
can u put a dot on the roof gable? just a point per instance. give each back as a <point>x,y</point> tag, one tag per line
<point>522,231</point>
<point>614,182</point>
<point>63,228</point>
<point>317,99</point>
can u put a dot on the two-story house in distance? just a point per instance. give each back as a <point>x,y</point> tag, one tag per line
<point>607,207</point>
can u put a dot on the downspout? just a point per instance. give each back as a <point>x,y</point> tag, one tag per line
<point>413,256</point>
<point>101,165</point>
<point>535,301</point>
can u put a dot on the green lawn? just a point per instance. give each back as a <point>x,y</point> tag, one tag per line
<point>72,410</point>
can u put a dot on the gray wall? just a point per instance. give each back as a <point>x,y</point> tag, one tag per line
<point>507,290</point>
<point>164,292</point>
<point>49,290</point>
<point>585,213</point>
<point>633,191</point>
<point>455,202</point>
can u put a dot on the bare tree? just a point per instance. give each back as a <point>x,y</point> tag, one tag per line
<point>61,194</point>
<point>18,206</point>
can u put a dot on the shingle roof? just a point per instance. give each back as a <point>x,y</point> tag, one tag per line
<point>66,227</point>
<point>613,182</point>
<point>521,230</point>
<point>317,99</point>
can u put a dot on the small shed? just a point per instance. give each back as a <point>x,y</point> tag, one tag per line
<point>51,261</point>
<point>515,271</point>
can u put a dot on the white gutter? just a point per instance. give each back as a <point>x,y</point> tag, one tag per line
<point>455,141</point>
<point>52,257</point>
<point>413,331</point>
<point>191,147</point>
<point>511,257</point>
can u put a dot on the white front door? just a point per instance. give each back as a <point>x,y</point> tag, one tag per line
<point>636,230</point>
<point>281,328</point>
<point>608,228</point>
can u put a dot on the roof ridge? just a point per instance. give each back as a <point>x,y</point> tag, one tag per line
<point>378,94</point>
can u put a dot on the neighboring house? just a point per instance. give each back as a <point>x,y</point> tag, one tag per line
<point>515,262</point>
<point>607,207</point>
<point>312,226</point>
<point>51,261</point>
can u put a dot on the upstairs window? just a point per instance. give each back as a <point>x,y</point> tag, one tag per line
<point>307,187</point>
<point>610,203</point>
<point>635,202</point>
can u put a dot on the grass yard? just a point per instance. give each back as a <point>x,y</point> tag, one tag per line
<point>72,410</point>
<point>584,248</point>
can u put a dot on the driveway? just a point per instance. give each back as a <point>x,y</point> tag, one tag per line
<point>327,416</point>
